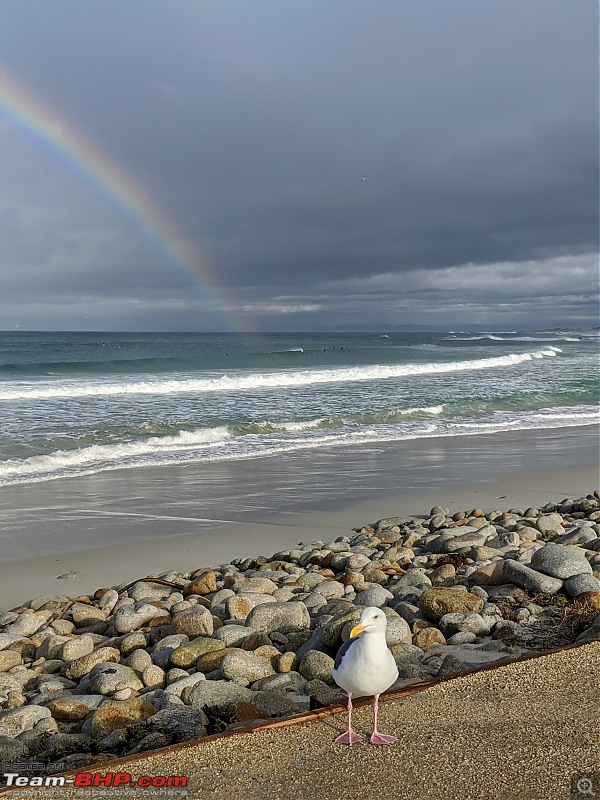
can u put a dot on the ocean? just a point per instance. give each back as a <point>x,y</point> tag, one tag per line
<point>78,404</point>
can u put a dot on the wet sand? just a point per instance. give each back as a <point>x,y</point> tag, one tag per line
<point>115,562</point>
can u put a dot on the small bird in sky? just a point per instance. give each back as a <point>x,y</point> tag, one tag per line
<point>364,178</point>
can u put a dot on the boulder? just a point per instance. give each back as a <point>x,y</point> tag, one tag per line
<point>579,584</point>
<point>244,668</point>
<point>531,579</point>
<point>195,621</point>
<point>436,602</point>
<point>560,561</point>
<point>116,714</point>
<point>457,623</point>
<point>217,693</point>
<point>282,617</point>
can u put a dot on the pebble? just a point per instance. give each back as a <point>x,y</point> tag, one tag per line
<point>258,634</point>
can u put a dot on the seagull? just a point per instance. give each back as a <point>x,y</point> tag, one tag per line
<point>365,666</point>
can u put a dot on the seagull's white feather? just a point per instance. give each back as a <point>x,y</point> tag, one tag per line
<point>365,665</point>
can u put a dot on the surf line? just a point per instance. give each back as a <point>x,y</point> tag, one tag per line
<point>116,187</point>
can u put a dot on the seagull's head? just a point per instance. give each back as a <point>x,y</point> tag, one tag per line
<point>372,620</point>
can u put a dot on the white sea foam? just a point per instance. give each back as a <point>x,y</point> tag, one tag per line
<point>217,444</point>
<point>97,457</point>
<point>252,380</point>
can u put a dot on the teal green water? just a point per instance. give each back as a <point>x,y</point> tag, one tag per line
<point>80,403</point>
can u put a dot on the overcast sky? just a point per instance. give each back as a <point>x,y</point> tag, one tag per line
<point>327,162</point>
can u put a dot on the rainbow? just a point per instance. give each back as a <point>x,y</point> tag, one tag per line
<point>118,189</point>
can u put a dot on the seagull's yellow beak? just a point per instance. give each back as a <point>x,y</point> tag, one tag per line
<point>357,630</point>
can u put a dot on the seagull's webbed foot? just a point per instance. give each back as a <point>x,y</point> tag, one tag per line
<point>382,738</point>
<point>349,737</point>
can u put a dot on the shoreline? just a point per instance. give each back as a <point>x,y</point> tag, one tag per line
<point>113,563</point>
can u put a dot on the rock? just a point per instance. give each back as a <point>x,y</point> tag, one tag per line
<point>329,589</point>
<point>217,693</point>
<point>244,668</point>
<point>316,666</point>
<point>488,574</point>
<point>77,648</point>
<point>550,524</point>
<point>428,637</point>
<point>81,666</point>
<point>590,634</point>
<point>116,714</point>
<point>109,678</point>
<point>286,662</point>
<point>134,641</point>
<point>443,574</point>
<point>580,535</point>
<point>196,621</point>
<point>17,720</point>
<point>463,542</point>
<point>187,654</point>
<point>451,666</point>
<point>203,584</point>
<point>529,578</point>
<point>398,630</point>
<point>325,694</point>
<point>176,688</point>
<point>108,600</point>
<point>52,645</point>
<point>415,577</point>
<point>83,614</point>
<point>147,590</point>
<point>8,660</point>
<point>139,660</point>
<point>560,561</point>
<point>74,708</point>
<point>154,677</point>
<point>163,650</point>
<point>373,596</point>
<point>282,617</point>
<point>27,624</point>
<point>578,584</point>
<point>331,634</point>
<point>456,623</point>
<point>184,723</point>
<point>208,662</point>
<point>436,602</point>
<point>131,617</point>
<point>256,585</point>
<point>11,751</point>
<point>239,606</point>
<point>274,704</point>
<point>463,637</point>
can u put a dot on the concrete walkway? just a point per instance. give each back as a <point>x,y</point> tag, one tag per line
<point>527,730</point>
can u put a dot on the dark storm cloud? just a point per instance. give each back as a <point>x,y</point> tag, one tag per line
<point>474,125</point>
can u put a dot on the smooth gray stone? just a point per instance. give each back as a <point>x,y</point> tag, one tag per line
<point>560,561</point>
<point>577,584</point>
<point>528,578</point>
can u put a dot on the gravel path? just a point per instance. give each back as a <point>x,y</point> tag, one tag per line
<point>524,730</point>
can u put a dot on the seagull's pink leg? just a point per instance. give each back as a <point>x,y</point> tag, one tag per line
<point>349,737</point>
<point>376,737</point>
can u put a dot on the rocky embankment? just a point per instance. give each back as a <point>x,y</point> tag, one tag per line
<point>179,655</point>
